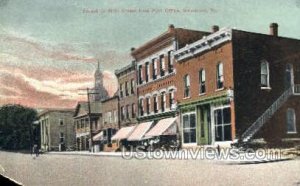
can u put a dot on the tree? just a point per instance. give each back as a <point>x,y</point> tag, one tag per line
<point>16,126</point>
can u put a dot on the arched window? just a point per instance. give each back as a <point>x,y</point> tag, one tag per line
<point>141,106</point>
<point>187,85</point>
<point>291,121</point>
<point>220,76</point>
<point>264,74</point>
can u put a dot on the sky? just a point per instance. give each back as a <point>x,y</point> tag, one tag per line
<point>49,49</point>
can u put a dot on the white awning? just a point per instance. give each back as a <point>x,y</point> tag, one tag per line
<point>82,134</point>
<point>98,137</point>
<point>123,133</point>
<point>163,127</point>
<point>139,131</point>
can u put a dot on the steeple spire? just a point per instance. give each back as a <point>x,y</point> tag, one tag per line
<point>98,67</point>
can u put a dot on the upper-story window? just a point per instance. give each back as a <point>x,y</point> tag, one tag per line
<point>187,85</point>
<point>220,76</point>
<point>148,103</point>
<point>154,68</point>
<point>122,113</point>
<point>155,106</point>
<point>132,85</point>
<point>163,101</point>
<point>115,116</point>
<point>140,74</point>
<point>202,81</point>
<point>141,105</point>
<point>121,90</point>
<point>61,121</point>
<point>291,121</point>
<point>264,74</point>
<point>126,89</point>
<point>162,65</point>
<point>170,61</point>
<point>147,72</point>
<point>133,111</point>
<point>171,99</point>
<point>127,111</point>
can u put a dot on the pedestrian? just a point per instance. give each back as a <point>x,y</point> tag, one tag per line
<point>36,150</point>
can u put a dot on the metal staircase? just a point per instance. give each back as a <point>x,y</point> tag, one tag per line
<point>249,133</point>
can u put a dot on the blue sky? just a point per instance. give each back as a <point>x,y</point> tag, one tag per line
<point>69,35</point>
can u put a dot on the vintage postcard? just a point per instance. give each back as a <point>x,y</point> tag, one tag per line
<point>138,92</point>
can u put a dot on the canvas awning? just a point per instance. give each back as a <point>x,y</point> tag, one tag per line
<point>98,137</point>
<point>139,131</point>
<point>163,127</point>
<point>123,133</point>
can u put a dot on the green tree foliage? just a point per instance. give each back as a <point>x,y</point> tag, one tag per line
<point>15,126</point>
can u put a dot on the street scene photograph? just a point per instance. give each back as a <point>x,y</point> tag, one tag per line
<point>162,92</point>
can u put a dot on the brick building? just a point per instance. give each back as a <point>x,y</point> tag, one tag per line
<point>156,87</point>
<point>56,128</point>
<point>234,85</point>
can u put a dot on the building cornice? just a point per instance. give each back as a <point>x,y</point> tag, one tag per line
<point>204,44</point>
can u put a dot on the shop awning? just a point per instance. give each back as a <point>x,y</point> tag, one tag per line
<point>163,127</point>
<point>98,137</point>
<point>139,131</point>
<point>123,133</point>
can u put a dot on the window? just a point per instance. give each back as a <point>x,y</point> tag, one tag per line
<point>133,110</point>
<point>148,103</point>
<point>141,105</point>
<point>132,86</point>
<point>189,128</point>
<point>155,104</point>
<point>122,113</point>
<point>220,76</point>
<point>162,65</point>
<point>61,121</point>
<point>82,123</point>
<point>121,90</point>
<point>170,62</point>
<point>61,137</point>
<point>222,124</point>
<point>202,81</point>
<point>154,68</point>
<point>291,121</point>
<point>264,74</point>
<point>140,74</point>
<point>171,99</point>
<point>115,116</point>
<point>187,85</point>
<point>127,111</point>
<point>163,101</point>
<point>147,71</point>
<point>126,89</point>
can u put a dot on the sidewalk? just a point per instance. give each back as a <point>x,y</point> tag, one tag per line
<point>223,157</point>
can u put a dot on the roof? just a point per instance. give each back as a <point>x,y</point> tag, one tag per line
<point>172,32</point>
<point>139,131</point>
<point>48,110</point>
<point>130,67</point>
<point>82,108</point>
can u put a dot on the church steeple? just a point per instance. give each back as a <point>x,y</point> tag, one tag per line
<point>99,87</point>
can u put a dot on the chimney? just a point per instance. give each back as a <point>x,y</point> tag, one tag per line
<point>171,28</point>
<point>215,28</point>
<point>274,29</point>
<point>132,49</point>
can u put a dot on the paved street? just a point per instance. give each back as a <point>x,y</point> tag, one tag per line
<point>96,170</point>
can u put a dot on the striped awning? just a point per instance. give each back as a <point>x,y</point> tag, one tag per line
<point>123,133</point>
<point>139,131</point>
<point>98,137</point>
<point>163,127</point>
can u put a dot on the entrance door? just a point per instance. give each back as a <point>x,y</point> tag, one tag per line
<point>204,125</point>
<point>289,76</point>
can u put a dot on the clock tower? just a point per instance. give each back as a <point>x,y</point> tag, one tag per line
<point>99,88</point>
